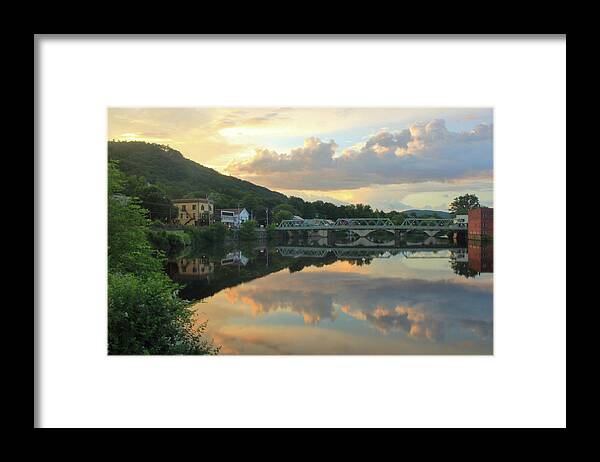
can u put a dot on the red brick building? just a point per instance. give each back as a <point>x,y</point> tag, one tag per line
<point>481,223</point>
<point>481,256</point>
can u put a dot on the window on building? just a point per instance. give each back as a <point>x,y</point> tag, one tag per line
<point>194,207</point>
<point>202,208</point>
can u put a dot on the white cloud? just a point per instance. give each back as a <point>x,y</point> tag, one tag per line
<point>423,152</point>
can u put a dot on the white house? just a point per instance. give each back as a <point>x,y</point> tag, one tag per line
<point>234,217</point>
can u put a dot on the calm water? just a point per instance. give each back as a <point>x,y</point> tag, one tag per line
<point>422,297</point>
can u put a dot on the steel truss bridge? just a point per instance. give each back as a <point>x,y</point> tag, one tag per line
<point>374,224</point>
<point>370,252</point>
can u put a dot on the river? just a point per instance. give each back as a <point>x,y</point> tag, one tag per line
<point>425,297</point>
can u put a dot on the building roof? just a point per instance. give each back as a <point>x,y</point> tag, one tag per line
<point>203,199</point>
<point>238,211</point>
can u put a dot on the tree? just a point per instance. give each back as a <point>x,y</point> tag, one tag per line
<point>159,206</point>
<point>462,204</point>
<point>128,247</point>
<point>281,215</point>
<point>286,207</point>
<point>145,313</point>
<point>248,230</point>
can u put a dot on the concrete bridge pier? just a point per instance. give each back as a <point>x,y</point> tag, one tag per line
<point>330,237</point>
<point>398,237</point>
<point>288,235</point>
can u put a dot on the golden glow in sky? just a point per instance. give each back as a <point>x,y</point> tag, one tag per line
<point>386,157</point>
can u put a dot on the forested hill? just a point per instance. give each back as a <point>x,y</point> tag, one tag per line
<point>157,174</point>
<point>181,177</point>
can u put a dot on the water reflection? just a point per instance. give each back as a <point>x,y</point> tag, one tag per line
<point>428,297</point>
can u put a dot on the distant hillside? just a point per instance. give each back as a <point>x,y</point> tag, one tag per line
<point>422,213</point>
<point>179,176</point>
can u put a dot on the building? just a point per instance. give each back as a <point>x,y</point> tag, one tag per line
<point>235,258</point>
<point>481,256</point>
<point>190,268</point>
<point>481,223</point>
<point>194,212</point>
<point>233,218</point>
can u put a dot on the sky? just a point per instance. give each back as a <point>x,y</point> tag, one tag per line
<point>389,158</point>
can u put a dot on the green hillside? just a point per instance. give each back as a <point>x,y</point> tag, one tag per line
<point>158,174</point>
<point>181,177</point>
<point>424,213</point>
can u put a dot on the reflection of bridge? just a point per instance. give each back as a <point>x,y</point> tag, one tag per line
<point>364,226</point>
<point>370,252</point>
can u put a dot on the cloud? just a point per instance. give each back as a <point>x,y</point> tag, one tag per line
<point>423,152</point>
<point>418,308</point>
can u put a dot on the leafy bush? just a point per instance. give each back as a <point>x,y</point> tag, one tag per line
<point>247,230</point>
<point>178,240</point>
<point>169,241</point>
<point>207,235</point>
<point>159,239</point>
<point>145,316</point>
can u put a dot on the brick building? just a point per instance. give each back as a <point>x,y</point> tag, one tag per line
<point>481,223</point>
<point>481,256</point>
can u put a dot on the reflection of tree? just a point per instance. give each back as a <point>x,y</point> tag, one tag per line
<point>462,268</point>
<point>301,263</point>
<point>358,261</point>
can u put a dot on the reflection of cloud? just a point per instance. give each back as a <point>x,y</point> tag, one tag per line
<point>278,340</point>
<point>312,306</point>
<point>423,152</point>
<point>407,319</point>
<point>415,307</point>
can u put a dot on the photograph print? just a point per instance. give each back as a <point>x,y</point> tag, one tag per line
<point>300,231</point>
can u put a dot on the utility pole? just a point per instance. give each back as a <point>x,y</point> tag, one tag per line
<point>267,217</point>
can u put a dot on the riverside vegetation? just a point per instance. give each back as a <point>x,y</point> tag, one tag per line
<point>145,313</point>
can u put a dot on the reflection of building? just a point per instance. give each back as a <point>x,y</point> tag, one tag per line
<point>460,255</point>
<point>196,212</point>
<point>481,257</point>
<point>233,218</point>
<point>234,258</point>
<point>481,223</point>
<point>194,267</point>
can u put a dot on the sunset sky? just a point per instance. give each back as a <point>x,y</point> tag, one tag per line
<point>387,158</point>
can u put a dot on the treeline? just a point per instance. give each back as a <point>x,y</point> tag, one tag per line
<point>156,174</point>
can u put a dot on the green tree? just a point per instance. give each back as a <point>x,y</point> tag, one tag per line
<point>281,215</point>
<point>286,207</point>
<point>271,231</point>
<point>248,230</point>
<point>129,250</point>
<point>145,314</point>
<point>462,204</point>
